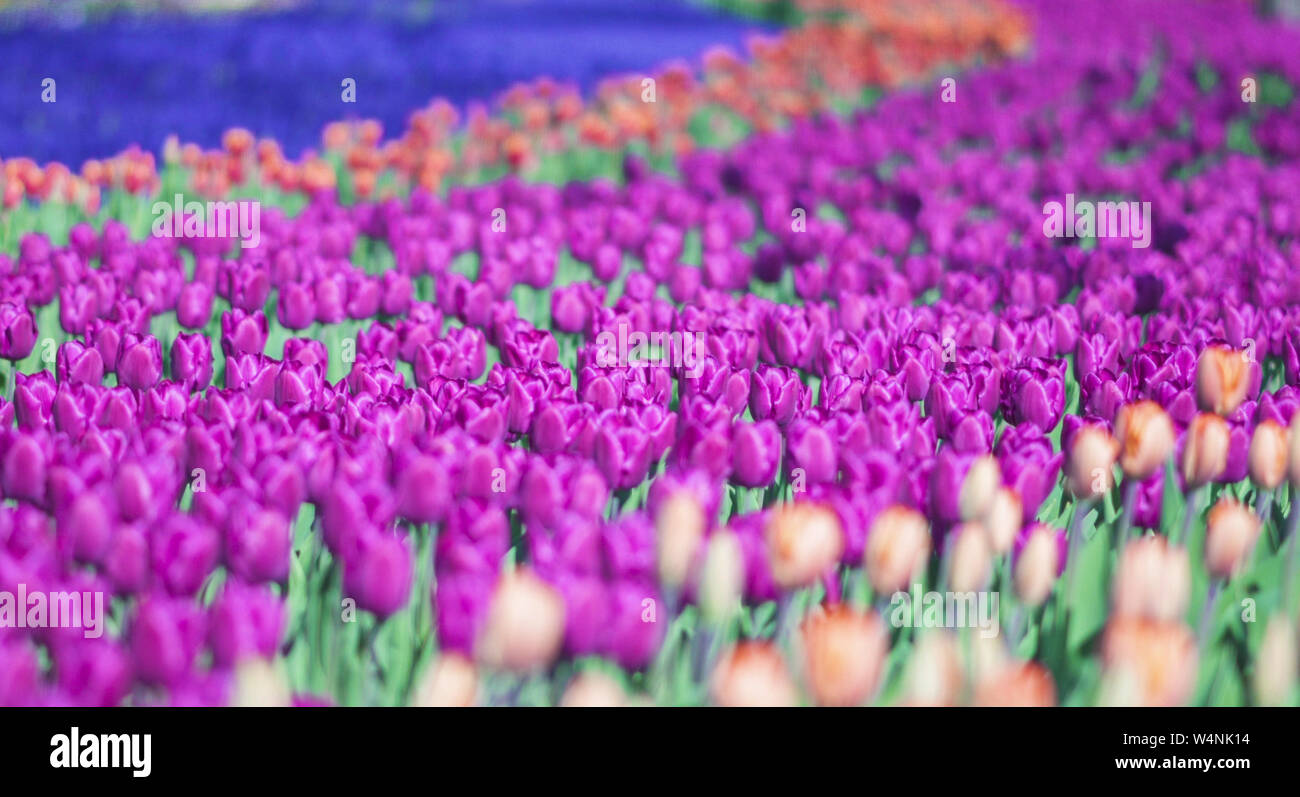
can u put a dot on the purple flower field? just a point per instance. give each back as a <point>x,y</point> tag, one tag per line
<point>979,389</point>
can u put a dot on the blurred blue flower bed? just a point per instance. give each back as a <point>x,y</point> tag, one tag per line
<point>125,79</point>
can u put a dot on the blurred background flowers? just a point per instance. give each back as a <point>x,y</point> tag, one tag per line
<point>642,352</point>
<point>127,77</point>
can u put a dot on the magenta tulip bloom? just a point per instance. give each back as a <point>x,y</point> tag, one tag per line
<point>17,331</point>
<point>378,574</point>
<point>191,360</point>
<point>139,362</point>
<point>755,453</point>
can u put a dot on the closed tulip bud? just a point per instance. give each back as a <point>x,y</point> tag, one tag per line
<point>1004,519</point>
<point>935,676</point>
<point>184,553</point>
<point>1037,566</point>
<point>78,364</point>
<point>21,671</point>
<point>166,635</point>
<point>1222,379</point>
<point>970,562</point>
<point>1153,580</point>
<point>297,306</point>
<point>25,469</point>
<point>33,400</point>
<point>398,292</point>
<point>1230,534</point>
<point>89,524</point>
<point>1146,437</point>
<point>679,528</point>
<point>1090,472</point>
<point>452,682</point>
<point>258,546</point>
<point>898,546</point>
<point>1205,450</point>
<point>106,336</point>
<point>191,360</point>
<point>776,393</point>
<point>525,624</point>
<point>243,333</point>
<point>194,305</point>
<point>753,674</point>
<point>722,577</point>
<point>593,689</point>
<point>378,573</point>
<point>812,448</point>
<point>844,654</point>
<point>804,540</point>
<point>134,492</point>
<point>980,487</point>
<point>756,453</point>
<point>139,361</point>
<point>1268,455</point>
<point>261,683</point>
<point>92,672</point>
<point>17,331</point>
<point>245,622</point>
<point>422,490</point>
<point>126,562</point>
<point>1028,684</point>
<point>1276,662</point>
<point>1148,663</point>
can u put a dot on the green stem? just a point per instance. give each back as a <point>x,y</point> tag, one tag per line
<point>1190,510</point>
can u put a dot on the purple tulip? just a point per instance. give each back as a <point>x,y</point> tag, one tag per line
<point>297,306</point>
<point>813,452</point>
<point>34,399</point>
<point>461,602</point>
<point>77,364</point>
<point>258,545</point>
<point>378,574</point>
<point>243,333</point>
<point>191,360</point>
<point>139,363</point>
<point>756,453</point>
<point>194,306</point>
<point>621,450</point>
<point>78,305</point>
<point>244,621</point>
<point>422,489</point>
<point>632,635</point>
<point>25,463</point>
<point>1028,465</point>
<point>126,560</point>
<point>17,331</point>
<point>166,635</point>
<point>20,672</point>
<point>106,337</point>
<point>183,552</point>
<point>93,672</point>
<point>1035,393</point>
<point>88,525</point>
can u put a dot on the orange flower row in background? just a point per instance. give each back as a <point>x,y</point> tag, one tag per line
<point>840,48</point>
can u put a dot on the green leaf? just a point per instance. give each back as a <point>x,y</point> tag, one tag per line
<point>1089,591</point>
<point>1173,505</point>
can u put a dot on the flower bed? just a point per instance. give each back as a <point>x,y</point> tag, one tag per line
<point>829,416</point>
